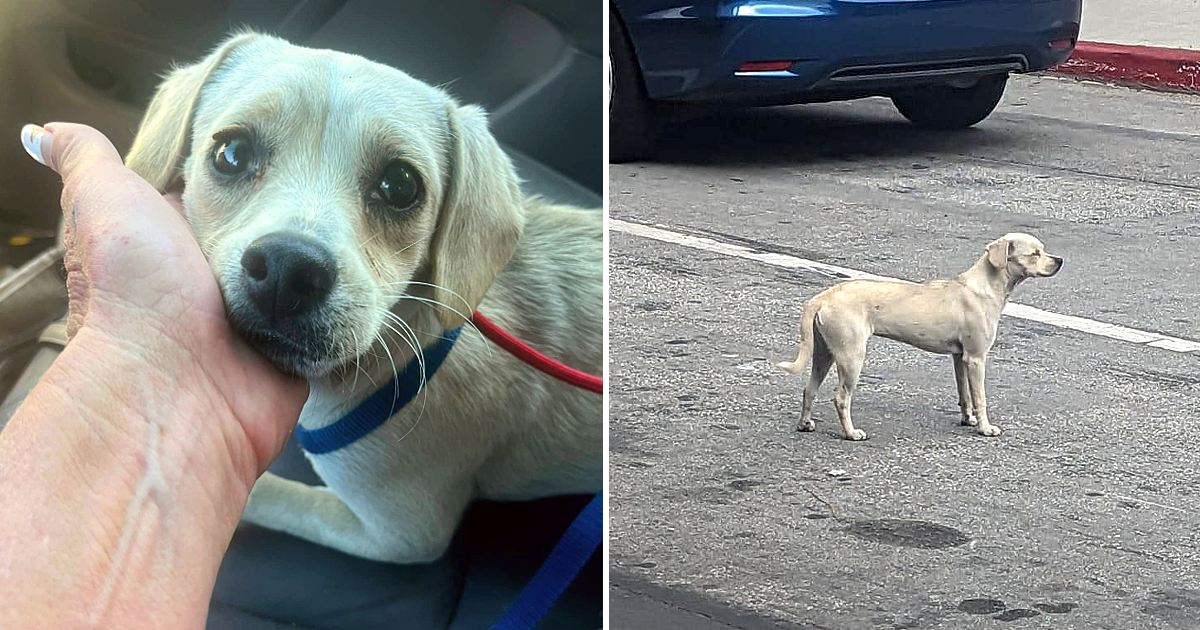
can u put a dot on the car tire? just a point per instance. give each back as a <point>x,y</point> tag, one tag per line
<point>949,107</point>
<point>632,127</point>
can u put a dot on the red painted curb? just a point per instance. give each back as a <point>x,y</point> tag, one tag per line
<point>1173,69</point>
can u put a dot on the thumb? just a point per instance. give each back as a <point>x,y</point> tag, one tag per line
<point>96,184</point>
<point>68,149</point>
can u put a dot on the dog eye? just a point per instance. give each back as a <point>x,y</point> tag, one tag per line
<point>233,155</point>
<point>399,186</point>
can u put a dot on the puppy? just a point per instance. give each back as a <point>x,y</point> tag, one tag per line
<point>355,216</point>
<point>957,317</point>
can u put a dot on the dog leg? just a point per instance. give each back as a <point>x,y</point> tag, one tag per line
<point>974,365</point>
<point>849,366</point>
<point>964,392</point>
<point>317,515</point>
<point>821,362</point>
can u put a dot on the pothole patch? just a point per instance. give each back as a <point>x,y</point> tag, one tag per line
<point>908,533</point>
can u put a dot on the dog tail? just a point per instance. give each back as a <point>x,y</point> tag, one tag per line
<point>807,339</point>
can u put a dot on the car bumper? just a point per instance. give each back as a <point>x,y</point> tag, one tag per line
<point>841,48</point>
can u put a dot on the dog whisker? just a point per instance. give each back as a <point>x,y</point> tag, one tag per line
<point>395,373</point>
<point>407,247</point>
<point>420,356</point>
<point>358,364</point>
<point>425,397</point>
<point>410,339</point>
<point>422,389</point>
<point>434,303</point>
<point>414,344</point>
<point>427,284</point>
<point>373,237</point>
<point>388,315</point>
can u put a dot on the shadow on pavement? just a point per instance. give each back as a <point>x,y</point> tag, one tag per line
<point>637,603</point>
<point>811,134</point>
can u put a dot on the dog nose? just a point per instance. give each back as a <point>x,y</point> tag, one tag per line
<point>287,274</point>
<point>1059,260</point>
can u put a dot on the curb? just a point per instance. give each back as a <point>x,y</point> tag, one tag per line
<point>1169,69</point>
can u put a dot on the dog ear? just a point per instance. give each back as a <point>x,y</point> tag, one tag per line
<point>998,252</point>
<point>481,217</point>
<point>164,137</point>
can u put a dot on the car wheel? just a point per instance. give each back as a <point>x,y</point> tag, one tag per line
<point>631,123</point>
<point>951,107</point>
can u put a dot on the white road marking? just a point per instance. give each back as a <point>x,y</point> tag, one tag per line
<point>1020,311</point>
<point>1145,502</point>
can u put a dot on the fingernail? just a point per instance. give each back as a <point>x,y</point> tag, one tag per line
<point>36,142</point>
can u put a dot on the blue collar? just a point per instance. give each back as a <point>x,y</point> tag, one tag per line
<point>378,407</point>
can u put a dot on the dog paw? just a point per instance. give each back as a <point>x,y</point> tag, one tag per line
<point>857,435</point>
<point>807,426</point>
<point>970,421</point>
<point>990,430</point>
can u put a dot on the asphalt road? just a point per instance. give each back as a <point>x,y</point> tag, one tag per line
<point>1082,515</point>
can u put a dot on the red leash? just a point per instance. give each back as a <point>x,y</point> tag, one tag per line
<point>517,348</point>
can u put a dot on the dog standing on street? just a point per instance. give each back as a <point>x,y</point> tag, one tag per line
<point>957,316</point>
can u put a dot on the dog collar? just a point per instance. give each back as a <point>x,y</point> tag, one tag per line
<point>369,414</point>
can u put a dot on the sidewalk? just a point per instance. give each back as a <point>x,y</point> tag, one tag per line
<point>1149,43</point>
<point>1161,23</point>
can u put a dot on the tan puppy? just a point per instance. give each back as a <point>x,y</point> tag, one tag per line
<point>353,215</point>
<point>958,317</point>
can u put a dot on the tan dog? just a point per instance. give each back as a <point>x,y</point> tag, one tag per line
<point>958,317</point>
<point>353,215</point>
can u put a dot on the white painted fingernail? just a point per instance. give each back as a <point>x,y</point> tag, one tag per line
<point>35,140</point>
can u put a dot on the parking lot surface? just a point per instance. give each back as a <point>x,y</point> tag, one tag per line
<point>1083,514</point>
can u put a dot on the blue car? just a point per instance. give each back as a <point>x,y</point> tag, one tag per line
<point>944,63</point>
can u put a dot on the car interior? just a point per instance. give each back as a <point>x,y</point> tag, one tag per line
<point>534,64</point>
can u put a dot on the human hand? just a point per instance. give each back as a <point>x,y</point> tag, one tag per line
<point>125,470</point>
<point>139,285</point>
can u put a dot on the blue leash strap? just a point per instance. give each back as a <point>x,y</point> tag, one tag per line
<point>578,543</point>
